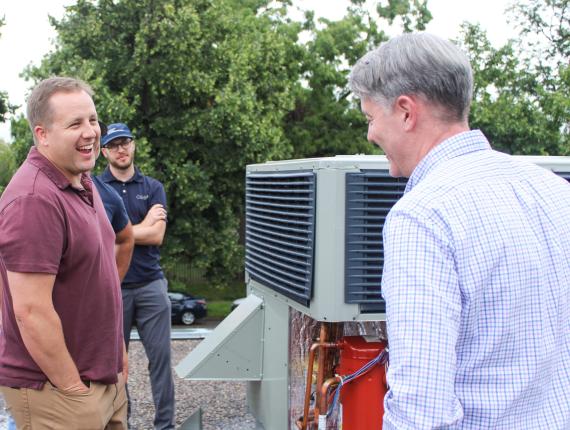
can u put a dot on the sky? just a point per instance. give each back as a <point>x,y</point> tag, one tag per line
<point>27,36</point>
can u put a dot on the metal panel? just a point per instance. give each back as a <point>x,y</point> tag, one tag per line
<point>565,175</point>
<point>268,399</point>
<point>233,351</point>
<point>193,422</point>
<point>370,195</point>
<point>280,229</point>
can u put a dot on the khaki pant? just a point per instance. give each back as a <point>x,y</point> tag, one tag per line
<point>103,407</point>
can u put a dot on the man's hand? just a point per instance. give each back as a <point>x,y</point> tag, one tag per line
<point>152,228</point>
<point>76,388</point>
<point>156,213</point>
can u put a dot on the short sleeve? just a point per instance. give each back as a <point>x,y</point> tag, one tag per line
<point>120,215</point>
<point>3,278</point>
<point>32,235</point>
<point>158,194</point>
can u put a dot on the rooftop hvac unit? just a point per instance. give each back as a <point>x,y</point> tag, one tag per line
<point>314,233</point>
<point>314,248</point>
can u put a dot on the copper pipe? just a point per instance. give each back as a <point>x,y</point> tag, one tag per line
<point>336,331</point>
<point>324,337</point>
<point>321,343</point>
<point>331,332</point>
<point>324,391</point>
<point>308,383</point>
<point>313,350</point>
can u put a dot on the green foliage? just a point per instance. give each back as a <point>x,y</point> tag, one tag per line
<point>204,86</point>
<point>414,14</point>
<point>5,107</point>
<point>209,86</point>
<point>545,29</point>
<point>510,104</point>
<point>219,308</point>
<point>23,139</point>
<point>7,164</point>
<point>521,97</point>
<point>545,46</point>
<point>325,120</point>
<point>228,291</point>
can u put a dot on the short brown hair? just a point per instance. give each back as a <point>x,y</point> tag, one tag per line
<point>38,111</point>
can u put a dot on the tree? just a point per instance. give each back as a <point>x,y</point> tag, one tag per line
<point>545,36</point>
<point>326,120</point>
<point>511,104</point>
<point>544,28</point>
<point>521,98</point>
<point>7,164</point>
<point>204,85</point>
<point>209,86</point>
<point>5,107</point>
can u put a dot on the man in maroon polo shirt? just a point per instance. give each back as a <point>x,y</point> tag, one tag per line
<point>62,355</point>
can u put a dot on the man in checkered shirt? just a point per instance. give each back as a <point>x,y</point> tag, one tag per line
<point>476,273</point>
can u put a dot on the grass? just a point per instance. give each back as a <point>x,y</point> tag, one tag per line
<point>210,292</point>
<point>219,308</point>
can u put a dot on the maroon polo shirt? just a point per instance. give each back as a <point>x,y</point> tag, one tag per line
<point>46,226</point>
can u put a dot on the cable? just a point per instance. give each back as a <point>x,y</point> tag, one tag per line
<point>382,358</point>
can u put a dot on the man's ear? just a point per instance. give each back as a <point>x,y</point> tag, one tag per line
<point>40,134</point>
<point>104,152</point>
<point>407,107</point>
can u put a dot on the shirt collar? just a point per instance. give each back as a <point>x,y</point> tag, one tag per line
<point>37,159</point>
<point>107,176</point>
<point>460,144</point>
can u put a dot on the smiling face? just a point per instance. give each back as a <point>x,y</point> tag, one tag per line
<point>384,131</point>
<point>70,139</point>
<point>393,130</point>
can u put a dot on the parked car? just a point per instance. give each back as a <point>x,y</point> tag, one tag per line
<point>186,309</point>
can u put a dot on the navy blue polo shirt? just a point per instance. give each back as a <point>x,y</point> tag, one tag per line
<point>139,194</point>
<point>114,206</point>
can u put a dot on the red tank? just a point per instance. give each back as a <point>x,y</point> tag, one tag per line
<point>363,398</point>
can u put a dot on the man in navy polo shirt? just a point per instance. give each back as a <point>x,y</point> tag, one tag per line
<point>119,219</point>
<point>144,288</point>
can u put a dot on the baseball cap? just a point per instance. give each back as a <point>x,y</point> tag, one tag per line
<point>114,131</point>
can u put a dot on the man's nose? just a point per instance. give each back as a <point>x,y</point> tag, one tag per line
<point>90,131</point>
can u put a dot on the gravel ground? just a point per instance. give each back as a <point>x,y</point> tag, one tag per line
<point>223,403</point>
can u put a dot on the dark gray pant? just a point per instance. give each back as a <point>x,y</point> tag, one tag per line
<point>149,308</point>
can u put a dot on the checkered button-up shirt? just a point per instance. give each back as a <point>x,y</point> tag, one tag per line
<point>477,287</point>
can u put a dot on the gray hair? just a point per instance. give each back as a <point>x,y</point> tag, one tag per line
<point>38,110</point>
<point>416,64</point>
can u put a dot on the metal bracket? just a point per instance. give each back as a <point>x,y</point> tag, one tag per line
<point>193,422</point>
<point>233,351</point>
